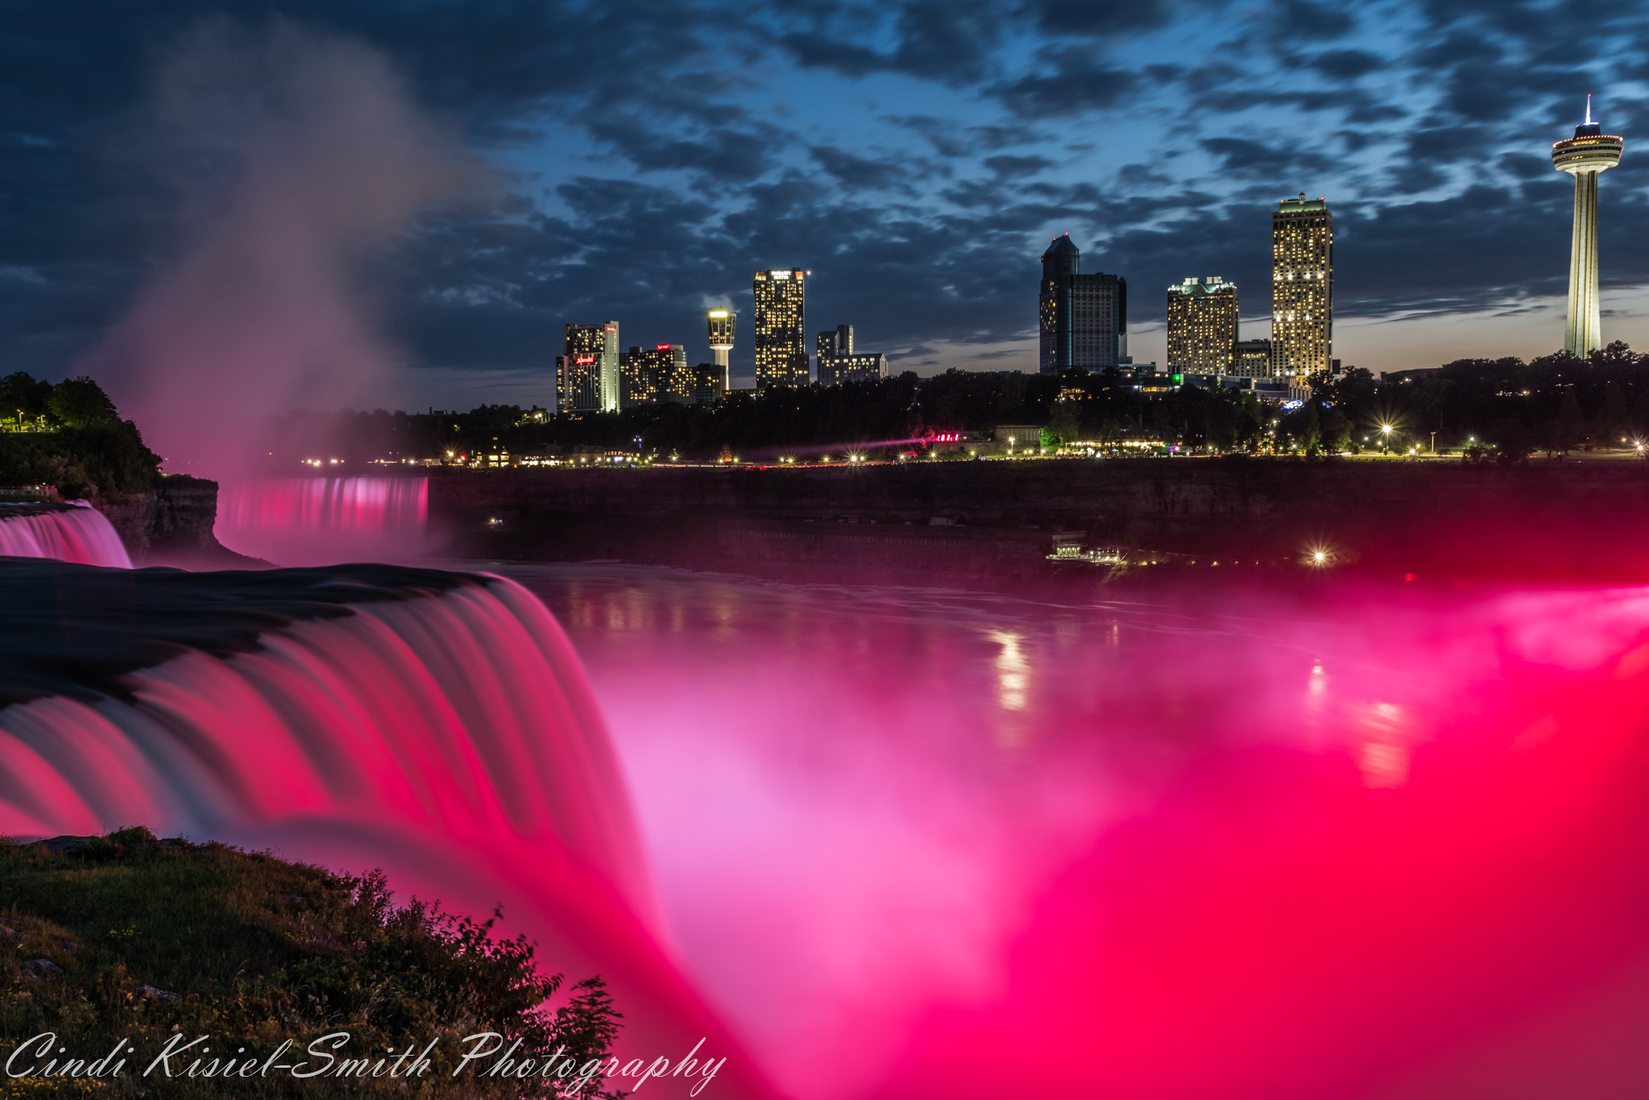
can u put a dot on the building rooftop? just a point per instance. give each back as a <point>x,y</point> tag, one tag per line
<point>1062,245</point>
<point>1302,205</point>
<point>1208,284</point>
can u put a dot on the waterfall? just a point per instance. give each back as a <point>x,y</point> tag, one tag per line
<point>77,533</point>
<point>316,520</point>
<point>436,725</point>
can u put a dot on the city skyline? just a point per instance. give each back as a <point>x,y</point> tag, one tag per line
<point>916,169</point>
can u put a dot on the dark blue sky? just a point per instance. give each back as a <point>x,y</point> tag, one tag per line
<point>646,156</point>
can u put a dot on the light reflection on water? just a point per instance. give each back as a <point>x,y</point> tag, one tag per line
<point>1226,850</point>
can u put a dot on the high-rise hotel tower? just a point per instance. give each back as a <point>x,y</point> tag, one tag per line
<point>1585,156</point>
<point>587,378</point>
<point>839,362</point>
<point>781,342</point>
<point>1083,319</point>
<point>648,376</point>
<point>1202,326</point>
<point>1302,288</point>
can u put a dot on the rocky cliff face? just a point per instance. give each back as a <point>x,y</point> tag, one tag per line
<point>133,518</point>
<point>174,521</point>
<point>186,509</point>
<point>1548,521</point>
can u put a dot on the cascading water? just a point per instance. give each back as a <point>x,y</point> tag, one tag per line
<point>75,533</point>
<point>317,520</point>
<point>436,725</point>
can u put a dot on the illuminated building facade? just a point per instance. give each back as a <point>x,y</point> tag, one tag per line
<point>781,340</point>
<point>651,375</point>
<point>587,373</point>
<point>1585,156</point>
<point>1202,326</point>
<point>833,342</point>
<point>840,362</point>
<point>1252,359</point>
<point>637,379</point>
<point>564,385</point>
<point>1082,319</point>
<point>1302,288</point>
<point>861,367</point>
<point>709,381</point>
<point>675,378</point>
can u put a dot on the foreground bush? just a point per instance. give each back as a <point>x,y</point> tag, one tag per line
<point>129,936</point>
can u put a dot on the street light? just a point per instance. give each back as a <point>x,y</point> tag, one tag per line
<point>1318,556</point>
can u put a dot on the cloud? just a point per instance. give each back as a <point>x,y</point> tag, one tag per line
<point>1115,17</point>
<point>719,152</point>
<point>864,172</point>
<point>949,41</point>
<point>1275,160</point>
<point>1345,64</point>
<point>1067,81</point>
<point>1310,20</point>
<point>1004,165</point>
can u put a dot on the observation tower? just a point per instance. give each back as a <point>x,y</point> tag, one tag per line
<point>1585,156</point>
<point>721,334</point>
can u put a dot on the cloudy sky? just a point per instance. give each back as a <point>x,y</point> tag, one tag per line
<point>642,157</point>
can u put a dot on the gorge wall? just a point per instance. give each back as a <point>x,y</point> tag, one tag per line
<point>1563,520</point>
<point>174,521</point>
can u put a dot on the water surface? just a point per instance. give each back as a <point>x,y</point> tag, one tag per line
<point>923,843</point>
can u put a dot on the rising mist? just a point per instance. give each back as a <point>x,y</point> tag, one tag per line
<point>296,159</point>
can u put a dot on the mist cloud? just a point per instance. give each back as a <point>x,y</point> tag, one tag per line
<point>297,159</point>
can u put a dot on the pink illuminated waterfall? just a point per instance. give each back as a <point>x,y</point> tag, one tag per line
<point>317,520</point>
<point>439,727</point>
<point>79,534</point>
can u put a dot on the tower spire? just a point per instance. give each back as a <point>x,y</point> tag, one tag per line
<point>1588,108</point>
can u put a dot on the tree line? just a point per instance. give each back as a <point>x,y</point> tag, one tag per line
<point>71,436</point>
<point>1502,409</point>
